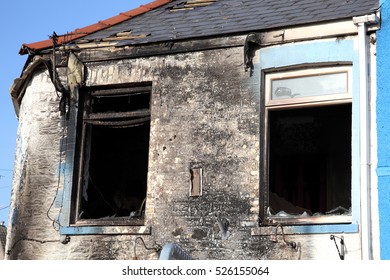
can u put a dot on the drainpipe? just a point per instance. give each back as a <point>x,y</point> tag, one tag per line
<point>364,101</point>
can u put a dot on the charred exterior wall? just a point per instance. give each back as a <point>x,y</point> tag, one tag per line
<point>204,114</point>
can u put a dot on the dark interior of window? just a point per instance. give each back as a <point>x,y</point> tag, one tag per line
<point>114,163</point>
<point>117,173</point>
<point>310,161</point>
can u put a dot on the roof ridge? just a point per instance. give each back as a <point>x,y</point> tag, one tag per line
<point>100,25</point>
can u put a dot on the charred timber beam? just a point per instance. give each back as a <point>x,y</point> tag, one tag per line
<point>104,116</point>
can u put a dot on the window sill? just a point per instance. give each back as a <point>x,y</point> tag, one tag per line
<point>119,221</point>
<point>306,229</point>
<point>310,220</point>
<point>107,230</point>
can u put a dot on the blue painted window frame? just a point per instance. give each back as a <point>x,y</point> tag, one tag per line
<point>67,181</point>
<point>314,54</point>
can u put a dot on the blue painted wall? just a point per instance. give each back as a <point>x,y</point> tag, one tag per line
<point>383,126</point>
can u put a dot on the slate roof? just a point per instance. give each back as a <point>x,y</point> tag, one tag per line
<point>81,32</point>
<point>180,19</point>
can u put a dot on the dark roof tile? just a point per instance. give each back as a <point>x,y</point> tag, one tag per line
<point>225,17</point>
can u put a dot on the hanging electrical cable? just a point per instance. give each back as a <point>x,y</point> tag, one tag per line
<point>157,247</point>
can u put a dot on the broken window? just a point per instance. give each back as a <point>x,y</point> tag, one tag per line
<point>114,150</point>
<point>308,163</point>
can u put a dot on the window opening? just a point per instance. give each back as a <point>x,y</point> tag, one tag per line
<point>310,161</point>
<point>112,181</point>
<point>308,166</point>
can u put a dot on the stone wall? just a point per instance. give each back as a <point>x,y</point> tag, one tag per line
<point>205,113</point>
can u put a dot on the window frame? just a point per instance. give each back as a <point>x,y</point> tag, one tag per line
<point>268,105</point>
<point>84,121</point>
<point>312,100</point>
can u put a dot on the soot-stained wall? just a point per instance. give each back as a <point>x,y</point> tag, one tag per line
<point>205,114</point>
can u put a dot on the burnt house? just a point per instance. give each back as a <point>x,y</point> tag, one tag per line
<point>235,129</point>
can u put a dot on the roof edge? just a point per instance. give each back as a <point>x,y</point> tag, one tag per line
<point>82,32</point>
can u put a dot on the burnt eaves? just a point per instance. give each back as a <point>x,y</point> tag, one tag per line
<point>36,47</point>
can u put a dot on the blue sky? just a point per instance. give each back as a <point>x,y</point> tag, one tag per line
<point>28,21</point>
